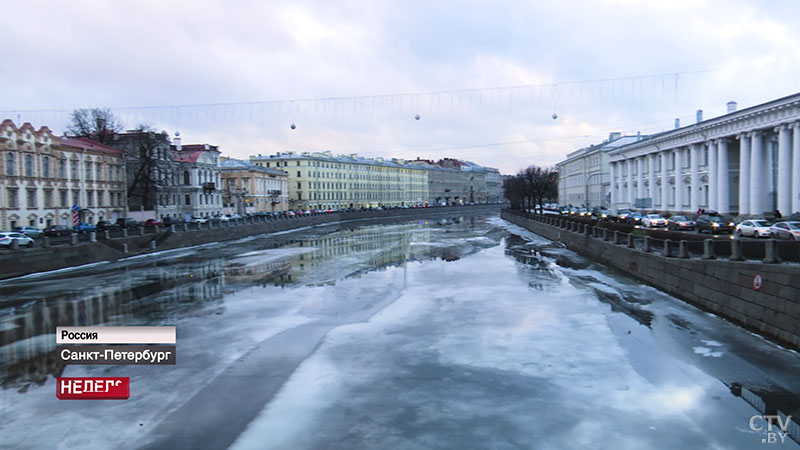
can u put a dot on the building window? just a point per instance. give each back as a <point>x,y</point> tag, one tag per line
<point>88,173</point>
<point>187,199</point>
<point>298,174</point>
<point>99,172</point>
<point>12,198</point>
<point>76,198</point>
<point>186,178</point>
<point>28,165</point>
<point>63,195</point>
<point>10,163</point>
<point>46,166</point>
<point>100,195</point>
<point>73,169</point>
<point>90,199</point>
<point>31,198</point>
<point>298,185</point>
<point>48,198</point>
<point>62,169</point>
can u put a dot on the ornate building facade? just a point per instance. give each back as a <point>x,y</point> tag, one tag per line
<point>43,178</point>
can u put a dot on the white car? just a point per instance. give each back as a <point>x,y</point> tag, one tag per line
<point>7,238</point>
<point>223,218</point>
<point>786,230</point>
<point>754,228</point>
<point>654,220</point>
<point>199,220</point>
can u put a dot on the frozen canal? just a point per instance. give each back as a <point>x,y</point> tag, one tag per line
<point>454,333</point>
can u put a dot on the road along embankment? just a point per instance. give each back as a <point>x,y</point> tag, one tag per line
<point>762,297</point>
<point>18,262</point>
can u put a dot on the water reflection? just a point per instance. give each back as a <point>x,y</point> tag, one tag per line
<point>152,291</point>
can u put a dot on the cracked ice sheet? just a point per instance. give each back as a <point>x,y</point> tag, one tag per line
<point>488,364</point>
<point>208,344</point>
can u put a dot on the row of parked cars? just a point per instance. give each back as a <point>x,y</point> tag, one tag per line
<point>710,221</point>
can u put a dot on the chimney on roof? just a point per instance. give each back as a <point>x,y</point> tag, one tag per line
<point>638,135</point>
<point>699,115</point>
<point>677,123</point>
<point>205,146</point>
<point>177,140</point>
<point>614,136</point>
<point>731,106</point>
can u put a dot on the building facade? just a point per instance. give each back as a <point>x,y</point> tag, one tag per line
<point>322,180</point>
<point>44,178</point>
<point>745,162</point>
<point>584,177</point>
<point>248,188</point>
<point>198,192</point>
<point>456,182</point>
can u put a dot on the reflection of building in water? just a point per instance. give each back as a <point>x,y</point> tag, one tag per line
<point>386,244</point>
<point>27,340</point>
<point>255,273</point>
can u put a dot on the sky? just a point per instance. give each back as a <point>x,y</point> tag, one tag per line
<point>505,84</point>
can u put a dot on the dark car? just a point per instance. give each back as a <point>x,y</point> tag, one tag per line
<point>106,225</point>
<point>153,223</point>
<point>57,230</point>
<point>635,217</point>
<point>714,223</point>
<point>680,223</point>
<point>622,214</point>
<point>127,222</point>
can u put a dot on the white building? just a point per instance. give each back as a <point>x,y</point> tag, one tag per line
<point>584,178</point>
<point>745,162</point>
<point>199,182</point>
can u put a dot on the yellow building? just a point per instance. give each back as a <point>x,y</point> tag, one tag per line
<point>247,188</point>
<point>323,181</point>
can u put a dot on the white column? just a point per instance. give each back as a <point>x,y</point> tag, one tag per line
<point>631,191</point>
<point>678,179</point>
<point>613,174</point>
<point>640,176</point>
<point>664,181</point>
<point>756,174</point>
<point>724,191</point>
<point>652,180</point>
<point>713,178</point>
<point>744,174</point>
<point>784,169</point>
<point>796,168</point>
<point>695,171</point>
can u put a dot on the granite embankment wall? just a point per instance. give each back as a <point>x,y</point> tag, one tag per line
<point>723,287</point>
<point>18,262</point>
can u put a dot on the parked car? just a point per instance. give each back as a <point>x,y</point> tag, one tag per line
<point>654,220</point>
<point>754,228</point>
<point>29,231</point>
<point>196,219</point>
<point>601,213</point>
<point>153,223</point>
<point>680,223</point>
<point>634,217</point>
<point>127,222</point>
<point>714,223</point>
<point>84,227</point>
<point>786,230</point>
<point>23,240</point>
<point>106,225</point>
<point>57,230</point>
<point>622,214</point>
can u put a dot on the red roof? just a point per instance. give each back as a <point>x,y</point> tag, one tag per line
<point>187,157</point>
<point>89,144</point>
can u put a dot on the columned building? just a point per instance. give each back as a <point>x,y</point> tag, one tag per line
<point>745,162</point>
<point>583,178</point>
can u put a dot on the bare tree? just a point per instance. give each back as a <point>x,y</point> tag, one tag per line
<point>96,124</point>
<point>541,186</point>
<point>150,165</point>
<point>514,188</point>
